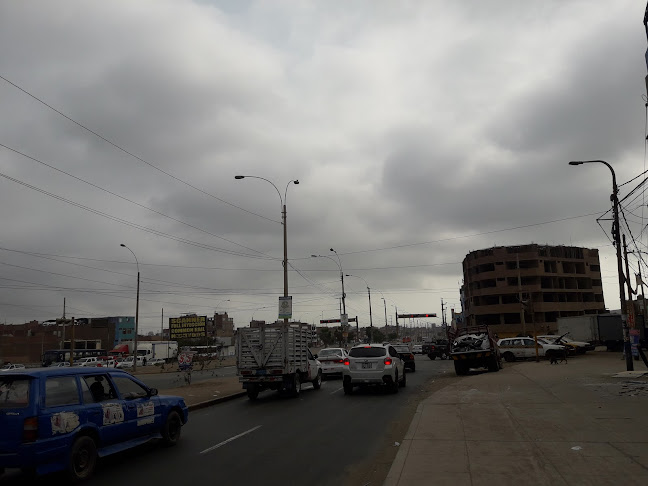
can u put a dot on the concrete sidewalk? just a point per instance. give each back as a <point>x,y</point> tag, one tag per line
<point>533,423</point>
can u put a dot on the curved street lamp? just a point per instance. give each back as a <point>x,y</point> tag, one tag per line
<point>283,222</point>
<point>136,310</point>
<point>616,233</point>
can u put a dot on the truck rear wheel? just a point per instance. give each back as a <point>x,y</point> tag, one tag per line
<point>461,368</point>
<point>493,365</point>
<point>508,357</point>
<point>348,388</point>
<point>432,356</point>
<point>253,392</point>
<point>296,385</point>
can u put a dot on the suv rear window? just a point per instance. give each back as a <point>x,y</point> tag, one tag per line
<point>368,352</point>
<point>14,392</point>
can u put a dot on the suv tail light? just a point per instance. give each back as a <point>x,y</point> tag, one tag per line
<point>346,362</point>
<point>30,429</point>
<point>388,361</point>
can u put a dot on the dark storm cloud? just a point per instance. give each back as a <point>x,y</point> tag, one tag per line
<point>418,132</point>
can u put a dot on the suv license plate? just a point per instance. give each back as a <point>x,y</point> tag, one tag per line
<point>366,366</point>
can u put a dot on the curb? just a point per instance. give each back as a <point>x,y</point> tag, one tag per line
<point>209,403</point>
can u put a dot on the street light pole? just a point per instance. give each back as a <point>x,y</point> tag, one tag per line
<point>342,279</point>
<point>385,302</point>
<point>283,222</point>
<point>136,310</point>
<point>616,232</point>
<point>370,317</point>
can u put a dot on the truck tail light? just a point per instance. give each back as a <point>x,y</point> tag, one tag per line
<point>30,429</point>
<point>346,362</point>
<point>388,361</point>
<point>411,357</point>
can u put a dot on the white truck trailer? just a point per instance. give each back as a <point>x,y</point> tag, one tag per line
<point>167,350</point>
<point>598,329</point>
<point>276,357</point>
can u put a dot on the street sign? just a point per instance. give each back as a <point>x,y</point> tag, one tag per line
<point>285,307</point>
<point>344,320</point>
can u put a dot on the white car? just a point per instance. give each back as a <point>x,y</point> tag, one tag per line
<point>89,361</point>
<point>10,366</point>
<point>417,349</point>
<point>373,364</point>
<point>332,360</point>
<point>155,361</point>
<point>128,363</point>
<point>524,347</point>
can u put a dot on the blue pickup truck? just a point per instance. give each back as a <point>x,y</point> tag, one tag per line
<point>55,419</point>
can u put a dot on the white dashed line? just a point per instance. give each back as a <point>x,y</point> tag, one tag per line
<point>229,440</point>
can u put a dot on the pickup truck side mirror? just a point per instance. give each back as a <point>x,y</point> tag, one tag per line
<point>315,356</point>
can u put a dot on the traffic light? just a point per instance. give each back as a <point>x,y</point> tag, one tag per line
<point>413,316</point>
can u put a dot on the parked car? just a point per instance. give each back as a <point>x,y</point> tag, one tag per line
<point>373,364</point>
<point>61,364</point>
<point>128,362</point>
<point>89,361</point>
<point>437,349</point>
<point>406,355</point>
<point>524,347</point>
<point>575,347</point>
<point>155,362</point>
<point>332,360</point>
<point>14,366</point>
<point>417,349</point>
<point>64,419</point>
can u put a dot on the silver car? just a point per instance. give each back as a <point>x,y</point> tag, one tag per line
<point>373,364</point>
<point>332,360</point>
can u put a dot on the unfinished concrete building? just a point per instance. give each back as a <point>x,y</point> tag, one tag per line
<point>515,289</point>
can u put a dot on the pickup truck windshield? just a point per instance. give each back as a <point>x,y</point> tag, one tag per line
<point>368,352</point>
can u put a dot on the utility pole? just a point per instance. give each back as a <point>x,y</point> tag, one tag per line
<point>522,320</point>
<point>629,304</point>
<point>396,322</point>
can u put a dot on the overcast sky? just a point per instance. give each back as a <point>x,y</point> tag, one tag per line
<point>418,130</point>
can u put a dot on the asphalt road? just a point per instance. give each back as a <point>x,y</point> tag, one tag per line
<point>321,438</point>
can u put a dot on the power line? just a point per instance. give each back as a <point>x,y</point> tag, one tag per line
<point>131,154</point>
<point>126,199</point>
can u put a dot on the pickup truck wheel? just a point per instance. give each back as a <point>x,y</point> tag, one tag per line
<point>253,392</point>
<point>493,365</point>
<point>508,357</point>
<point>444,355</point>
<point>172,428</point>
<point>317,382</point>
<point>83,458</point>
<point>432,356</point>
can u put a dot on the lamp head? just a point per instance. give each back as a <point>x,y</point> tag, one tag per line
<point>123,245</point>
<point>314,256</point>
<point>239,177</point>
<point>295,182</point>
<point>575,162</point>
<point>332,250</point>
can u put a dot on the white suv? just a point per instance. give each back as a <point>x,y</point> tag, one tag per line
<point>373,364</point>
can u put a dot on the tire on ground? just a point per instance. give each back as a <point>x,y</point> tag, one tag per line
<point>83,458</point>
<point>171,429</point>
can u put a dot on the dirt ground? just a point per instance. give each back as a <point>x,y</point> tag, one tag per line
<point>206,390</point>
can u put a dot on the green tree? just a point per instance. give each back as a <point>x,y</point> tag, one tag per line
<point>392,336</point>
<point>378,336</point>
<point>326,336</point>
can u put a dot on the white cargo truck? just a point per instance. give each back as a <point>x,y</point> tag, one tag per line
<point>166,350</point>
<point>598,329</point>
<point>276,357</point>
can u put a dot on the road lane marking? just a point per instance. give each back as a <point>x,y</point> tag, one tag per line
<point>332,393</point>
<point>229,440</point>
